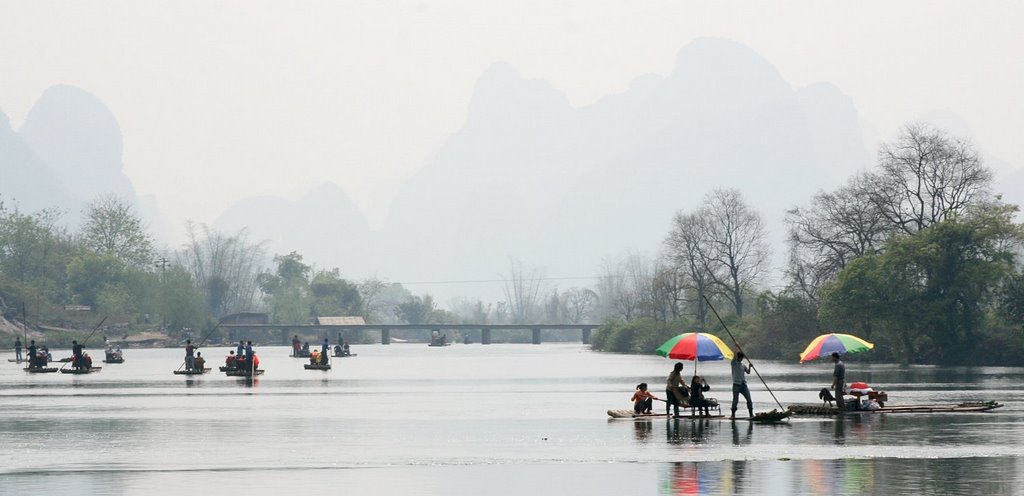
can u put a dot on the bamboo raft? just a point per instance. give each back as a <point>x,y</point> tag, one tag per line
<point>89,370</point>
<point>192,372</point>
<point>965,407</point>
<point>40,370</point>
<point>114,360</point>
<point>772,416</point>
<point>243,372</point>
<point>310,366</point>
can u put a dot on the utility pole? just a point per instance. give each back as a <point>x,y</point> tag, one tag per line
<point>163,263</point>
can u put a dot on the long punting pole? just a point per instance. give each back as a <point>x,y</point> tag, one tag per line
<point>94,329</point>
<point>203,341</point>
<point>740,349</point>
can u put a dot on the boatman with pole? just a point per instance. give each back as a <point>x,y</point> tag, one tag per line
<point>839,380</point>
<point>739,384</point>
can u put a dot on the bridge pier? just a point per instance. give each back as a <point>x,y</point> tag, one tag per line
<point>385,336</point>
<point>485,336</point>
<point>536,336</point>
<point>586,335</point>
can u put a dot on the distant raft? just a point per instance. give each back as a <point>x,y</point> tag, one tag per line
<point>40,370</point>
<point>192,372</point>
<point>243,372</point>
<point>310,366</point>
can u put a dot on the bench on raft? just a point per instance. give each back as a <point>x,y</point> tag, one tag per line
<point>714,409</point>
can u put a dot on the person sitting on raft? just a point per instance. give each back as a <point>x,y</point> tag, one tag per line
<point>200,362</point>
<point>337,350</point>
<point>314,357</point>
<point>643,401</point>
<point>697,400</point>
<point>305,349</point>
<point>346,350</point>
<point>231,360</point>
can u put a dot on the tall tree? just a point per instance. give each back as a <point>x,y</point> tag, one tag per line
<point>736,234</point>
<point>522,292</point>
<point>112,227</point>
<point>689,247</point>
<point>225,267</point>
<point>925,176</point>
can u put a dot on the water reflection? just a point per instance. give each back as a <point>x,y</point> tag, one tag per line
<point>689,431</point>
<point>747,427</point>
<point>642,430</point>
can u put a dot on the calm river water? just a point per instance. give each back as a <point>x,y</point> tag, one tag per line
<point>494,420</point>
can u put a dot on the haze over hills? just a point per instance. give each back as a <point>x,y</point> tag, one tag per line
<point>533,178</point>
<point>66,154</point>
<point>529,176</point>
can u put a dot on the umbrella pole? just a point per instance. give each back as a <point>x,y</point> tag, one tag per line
<point>738,348</point>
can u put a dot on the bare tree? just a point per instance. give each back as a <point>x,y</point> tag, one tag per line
<point>736,234</point>
<point>925,176</point>
<point>522,291</point>
<point>579,302</point>
<point>835,229</point>
<point>689,247</point>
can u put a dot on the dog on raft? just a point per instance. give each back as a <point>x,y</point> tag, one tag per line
<point>826,397</point>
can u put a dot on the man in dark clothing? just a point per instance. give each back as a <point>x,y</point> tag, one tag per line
<point>77,358</point>
<point>32,351</point>
<point>839,380</point>
<point>323,352</point>
<point>190,359</point>
<point>17,349</point>
<point>240,351</point>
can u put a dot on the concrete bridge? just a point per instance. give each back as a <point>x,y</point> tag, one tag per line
<point>486,330</point>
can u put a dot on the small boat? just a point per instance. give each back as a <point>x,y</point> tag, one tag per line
<point>964,407</point>
<point>192,372</point>
<point>310,366</point>
<point>243,372</point>
<point>40,370</point>
<point>89,370</point>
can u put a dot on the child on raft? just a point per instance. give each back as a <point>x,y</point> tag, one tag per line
<point>642,399</point>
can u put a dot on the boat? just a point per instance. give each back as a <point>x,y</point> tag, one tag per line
<point>89,370</point>
<point>963,407</point>
<point>243,372</point>
<point>310,366</point>
<point>193,372</point>
<point>40,370</point>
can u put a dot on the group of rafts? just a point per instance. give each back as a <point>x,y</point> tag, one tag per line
<point>40,360</point>
<point>246,363</point>
<point>858,398</point>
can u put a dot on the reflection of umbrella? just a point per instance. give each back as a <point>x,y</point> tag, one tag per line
<point>826,344</point>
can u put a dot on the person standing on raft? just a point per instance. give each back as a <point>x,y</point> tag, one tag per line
<point>739,383</point>
<point>676,393</point>
<point>839,381</point>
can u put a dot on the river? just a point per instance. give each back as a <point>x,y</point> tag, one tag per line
<point>496,420</point>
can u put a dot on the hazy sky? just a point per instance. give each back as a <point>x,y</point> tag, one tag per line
<point>221,100</point>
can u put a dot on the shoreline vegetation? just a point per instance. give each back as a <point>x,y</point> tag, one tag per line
<point>919,255</point>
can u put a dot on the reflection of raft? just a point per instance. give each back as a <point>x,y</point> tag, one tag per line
<point>192,372</point>
<point>965,407</point>
<point>40,370</point>
<point>243,372</point>
<point>80,371</point>
<point>310,366</point>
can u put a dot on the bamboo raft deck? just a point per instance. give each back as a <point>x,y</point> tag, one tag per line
<point>40,370</point>
<point>114,360</point>
<point>89,370</point>
<point>965,407</point>
<point>310,366</point>
<point>772,416</point>
<point>192,372</point>
<point>243,372</point>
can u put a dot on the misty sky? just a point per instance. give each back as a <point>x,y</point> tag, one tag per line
<point>223,100</point>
